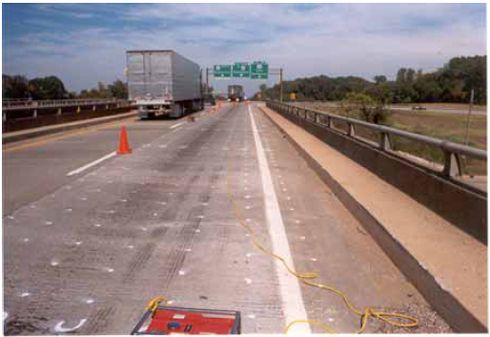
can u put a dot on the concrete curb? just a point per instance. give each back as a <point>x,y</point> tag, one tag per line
<point>456,315</point>
<point>36,132</point>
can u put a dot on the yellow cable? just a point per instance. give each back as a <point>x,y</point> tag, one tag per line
<point>391,318</point>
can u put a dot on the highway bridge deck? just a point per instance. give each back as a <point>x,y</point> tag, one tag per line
<point>91,248</point>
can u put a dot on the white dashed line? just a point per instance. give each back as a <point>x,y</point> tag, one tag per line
<point>89,165</point>
<point>176,125</point>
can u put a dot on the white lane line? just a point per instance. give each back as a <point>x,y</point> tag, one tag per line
<point>89,165</point>
<point>176,125</point>
<point>292,298</point>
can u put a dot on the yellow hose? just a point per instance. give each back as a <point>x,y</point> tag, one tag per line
<point>391,318</point>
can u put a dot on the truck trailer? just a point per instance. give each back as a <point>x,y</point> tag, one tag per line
<point>162,82</point>
<point>235,93</point>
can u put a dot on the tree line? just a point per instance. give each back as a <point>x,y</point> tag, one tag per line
<point>451,83</point>
<point>51,87</point>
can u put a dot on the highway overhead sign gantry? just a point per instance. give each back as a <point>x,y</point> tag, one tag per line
<point>223,70</point>
<point>259,70</point>
<point>241,69</point>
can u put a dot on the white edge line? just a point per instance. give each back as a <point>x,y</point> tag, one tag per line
<point>292,298</point>
<point>176,125</point>
<point>95,162</point>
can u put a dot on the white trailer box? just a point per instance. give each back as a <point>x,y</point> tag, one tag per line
<point>163,82</point>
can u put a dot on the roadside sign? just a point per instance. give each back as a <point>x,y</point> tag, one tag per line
<point>241,69</point>
<point>259,70</point>
<point>223,70</point>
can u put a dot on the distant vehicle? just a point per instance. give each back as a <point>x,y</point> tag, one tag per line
<point>418,107</point>
<point>235,93</point>
<point>162,82</point>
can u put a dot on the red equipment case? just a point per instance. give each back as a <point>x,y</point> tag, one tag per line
<point>165,320</point>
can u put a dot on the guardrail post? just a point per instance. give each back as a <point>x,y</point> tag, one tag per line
<point>329,122</point>
<point>351,130</point>
<point>34,113</point>
<point>452,164</point>
<point>78,109</point>
<point>107,106</point>
<point>4,116</point>
<point>93,108</point>
<point>59,112</point>
<point>385,143</point>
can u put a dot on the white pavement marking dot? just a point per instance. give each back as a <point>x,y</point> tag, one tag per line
<point>97,225</point>
<point>54,263</point>
<point>198,230</point>
<point>83,198</point>
<point>78,243</point>
<point>290,290</point>
<point>89,300</point>
<point>69,210</point>
<point>59,326</point>
<point>130,246</point>
<point>89,165</point>
<point>303,238</point>
<point>10,217</point>
<point>188,250</point>
<point>247,280</point>
<point>109,270</point>
<point>182,272</point>
<point>25,294</point>
<point>5,315</point>
<point>314,259</point>
<point>48,222</point>
<point>251,316</point>
<point>26,240</point>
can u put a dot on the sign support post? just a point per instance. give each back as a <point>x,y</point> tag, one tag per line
<point>280,84</point>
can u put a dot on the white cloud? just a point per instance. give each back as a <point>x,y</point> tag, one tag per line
<point>361,40</point>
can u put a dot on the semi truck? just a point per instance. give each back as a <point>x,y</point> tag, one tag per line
<point>162,82</point>
<point>235,93</point>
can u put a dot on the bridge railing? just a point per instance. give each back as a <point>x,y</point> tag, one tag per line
<point>453,152</point>
<point>32,104</point>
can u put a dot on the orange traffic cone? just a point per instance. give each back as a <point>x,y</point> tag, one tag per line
<point>123,142</point>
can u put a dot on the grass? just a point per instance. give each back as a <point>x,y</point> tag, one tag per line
<point>438,124</point>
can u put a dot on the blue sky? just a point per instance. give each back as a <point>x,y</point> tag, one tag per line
<point>86,43</point>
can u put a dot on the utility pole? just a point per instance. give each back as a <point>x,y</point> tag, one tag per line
<point>472,96</point>
<point>280,84</point>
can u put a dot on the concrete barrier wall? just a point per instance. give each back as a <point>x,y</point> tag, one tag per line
<point>465,208</point>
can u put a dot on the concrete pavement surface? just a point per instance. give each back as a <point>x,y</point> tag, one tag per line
<point>84,253</point>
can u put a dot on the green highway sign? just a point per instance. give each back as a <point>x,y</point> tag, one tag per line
<point>259,70</point>
<point>222,70</point>
<point>241,69</point>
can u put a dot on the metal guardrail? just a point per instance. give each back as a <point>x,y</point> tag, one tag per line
<point>452,151</point>
<point>15,109</point>
<point>32,104</point>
